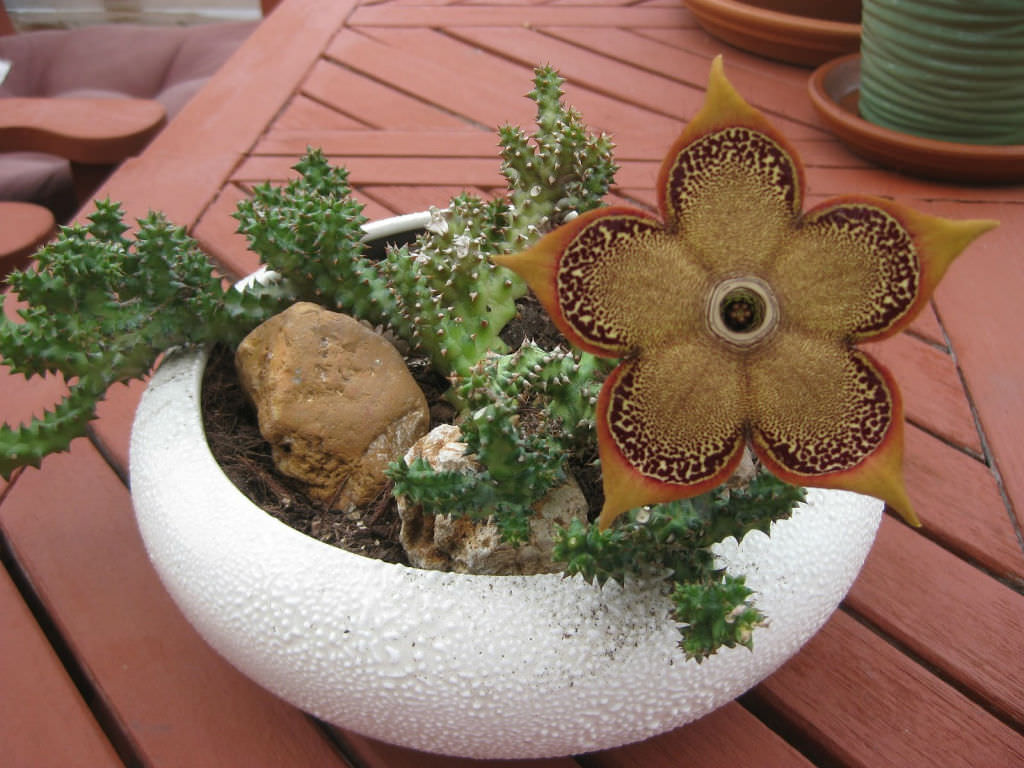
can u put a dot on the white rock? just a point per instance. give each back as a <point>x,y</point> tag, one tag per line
<point>447,543</point>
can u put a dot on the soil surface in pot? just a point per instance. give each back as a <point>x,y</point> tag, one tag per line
<point>232,432</point>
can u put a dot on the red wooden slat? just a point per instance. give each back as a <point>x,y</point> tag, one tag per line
<point>43,719</point>
<point>950,614</point>
<point>409,199</point>
<point>450,72</point>
<point>693,38</point>
<point>175,701</point>
<point>958,499</point>
<point>403,171</point>
<point>726,738</point>
<point>369,101</point>
<point>933,395</point>
<point>926,326</point>
<point>977,305</point>
<point>865,705</point>
<point>111,432</point>
<point>623,82</point>
<point>764,88</point>
<point>871,180</point>
<point>691,22</point>
<point>382,143</point>
<point>429,72</point>
<point>825,153</point>
<point>411,2</point>
<point>303,112</point>
<point>217,233</point>
<point>591,3</point>
<point>373,209</point>
<point>187,162</point>
<point>384,170</point>
<point>627,85</point>
<point>377,754</point>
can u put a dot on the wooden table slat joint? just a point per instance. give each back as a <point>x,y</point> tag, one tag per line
<point>118,736</point>
<point>936,670</point>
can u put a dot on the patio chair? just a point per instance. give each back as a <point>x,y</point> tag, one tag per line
<point>76,102</point>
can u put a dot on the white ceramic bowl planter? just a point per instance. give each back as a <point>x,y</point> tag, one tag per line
<point>478,666</point>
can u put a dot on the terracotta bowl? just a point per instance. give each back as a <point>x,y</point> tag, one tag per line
<point>804,32</point>
<point>834,88</point>
<point>476,666</point>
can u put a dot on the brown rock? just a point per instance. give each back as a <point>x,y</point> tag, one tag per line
<point>446,543</point>
<point>335,401</point>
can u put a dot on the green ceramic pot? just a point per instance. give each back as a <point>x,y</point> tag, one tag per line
<point>945,69</point>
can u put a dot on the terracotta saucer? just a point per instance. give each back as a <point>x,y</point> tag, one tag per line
<point>791,37</point>
<point>835,89</point>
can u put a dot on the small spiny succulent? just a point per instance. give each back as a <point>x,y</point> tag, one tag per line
<point>103,305</point>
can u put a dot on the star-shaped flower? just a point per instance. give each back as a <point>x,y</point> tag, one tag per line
<point>736,317</point>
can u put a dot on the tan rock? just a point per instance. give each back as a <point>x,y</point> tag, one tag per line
<point>335,401</point>
<point>445,543</point>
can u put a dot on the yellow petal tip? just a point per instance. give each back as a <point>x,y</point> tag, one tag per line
<point>895,496</point>
<point>941,241</point>
<point>609,514</point>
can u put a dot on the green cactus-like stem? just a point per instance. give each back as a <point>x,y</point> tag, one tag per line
<point>558,385</point>
<point>514,429</point>
<point>310,231</point>
<point>675,540</point>
<point>473,495</point>
<point>102,305</point>
<point>451,301</point>
<point>715,613</point>
<point>564,170</point>
<point>101,308</point>
<point>29,444</point>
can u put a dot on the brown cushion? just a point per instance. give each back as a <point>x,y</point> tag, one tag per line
<point>169,64</point>
<point>112,60</point>
<point>34,177</point>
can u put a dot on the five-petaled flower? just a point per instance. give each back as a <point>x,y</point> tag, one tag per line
<point>736,317</point>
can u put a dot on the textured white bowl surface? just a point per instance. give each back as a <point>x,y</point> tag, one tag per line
<point>477,666</point>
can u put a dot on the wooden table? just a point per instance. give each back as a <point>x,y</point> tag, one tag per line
<point>924,664</point>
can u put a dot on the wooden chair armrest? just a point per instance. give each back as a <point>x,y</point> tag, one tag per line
<point>88,131</point>
<point>23,228</point>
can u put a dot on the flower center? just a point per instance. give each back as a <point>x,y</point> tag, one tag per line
<point>742,310</point>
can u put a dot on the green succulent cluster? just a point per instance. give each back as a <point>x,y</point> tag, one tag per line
<point>556,173</point>
<point>526,413</point>
<point>451,301</point>
<point>101,308</point>
<point>309,231</point>
<point>103,305</point>
<point>442,294</point>
<point>674,541</point>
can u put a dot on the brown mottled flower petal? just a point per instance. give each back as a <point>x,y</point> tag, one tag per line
<point>827,415</point>
<point>669,426</point>
<point>614,282</point>
<point>939,241</point>
<point>730,185</point>
<point>855,267</point>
